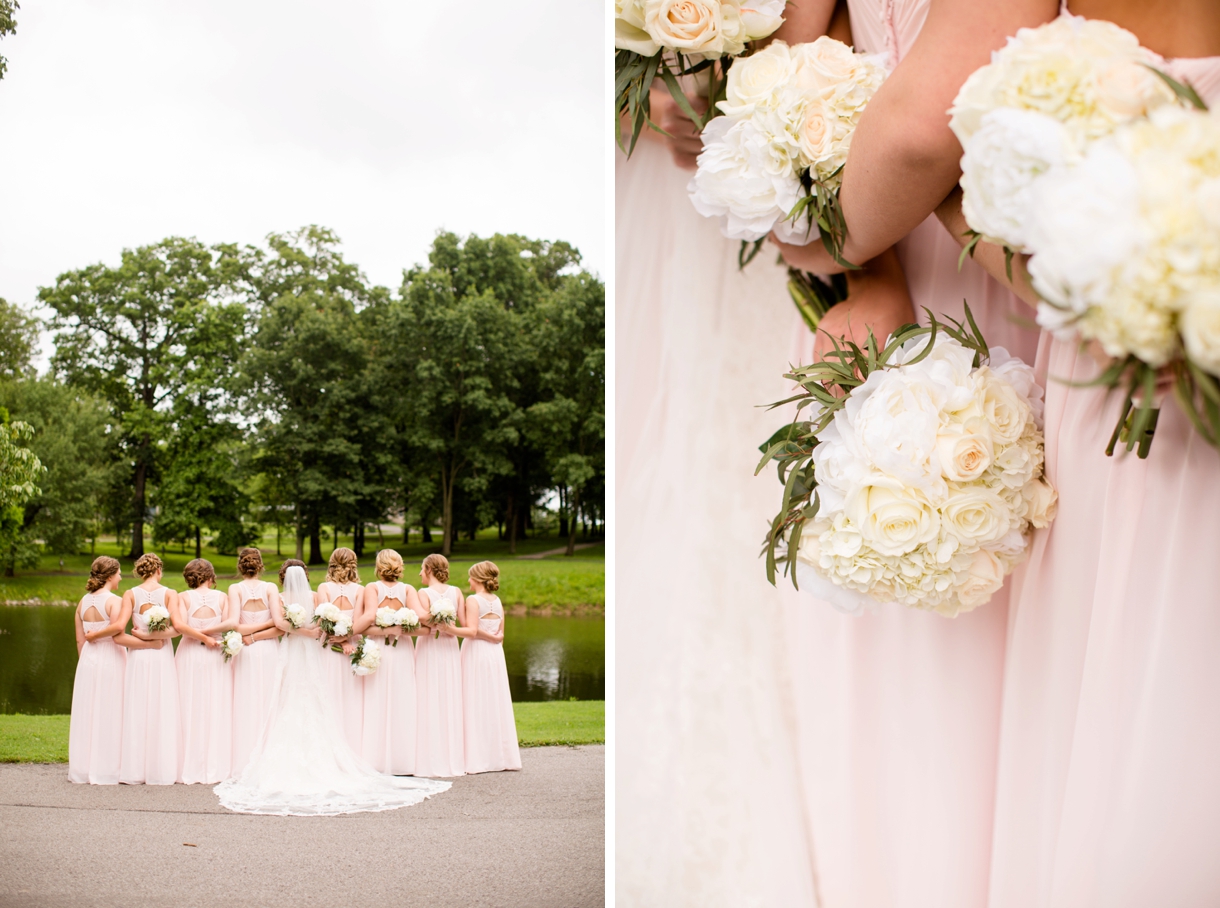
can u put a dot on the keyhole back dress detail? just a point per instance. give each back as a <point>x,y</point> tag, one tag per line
<point>152,734</point>
<point>205,694</point>
<point>253,671</point>
<point>439,745</point>
<point>95,732</point>
<point>489,726</point>
<point>347,688</point>
<point>390,696</point>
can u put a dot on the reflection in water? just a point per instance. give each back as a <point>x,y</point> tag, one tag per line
<point>548,658</point>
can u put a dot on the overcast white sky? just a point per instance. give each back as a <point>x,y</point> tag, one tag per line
<point>126,121</point>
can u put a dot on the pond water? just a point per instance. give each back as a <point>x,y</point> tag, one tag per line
<point>548,659</point>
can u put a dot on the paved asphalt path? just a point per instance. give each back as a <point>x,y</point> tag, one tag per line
<point>533,838</point>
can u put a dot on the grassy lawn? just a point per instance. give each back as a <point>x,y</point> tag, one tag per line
<point>44,739</point>
<point>535,584</point>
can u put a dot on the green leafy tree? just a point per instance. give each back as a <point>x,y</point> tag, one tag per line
<point>8,26</point>
<point>137,336</point>
<point>20,469</point>
<point>18,339</point>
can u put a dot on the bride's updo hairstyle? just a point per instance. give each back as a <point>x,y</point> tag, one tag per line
<point>147,566</point>
<point>197,572</point>
<point>104,567</point>
<point>486,574</point>
<point>250,562</point>
<point>293,562</point>
<point>389,566</point>
<point>438,567</point>
<point>342,567</point>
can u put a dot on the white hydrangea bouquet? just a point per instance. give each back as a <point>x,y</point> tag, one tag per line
<point>366,658</point>
<point>444,611</point>
<point>158,619</point>
<point>917,478</point>
<point>1081,153</point>
<point>231,644</point>
<point>667,39</point>
<point>407,620</point>
<point>333,620</point>
<point>294,615</point>
<point>387,617</point>
<point>775,160</point>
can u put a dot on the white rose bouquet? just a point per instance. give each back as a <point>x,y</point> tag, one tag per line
<point>670,38</point>
<point>366,658</point>
<point>158,619</point>
<point>294,615</point>
<point>774,161</point>
<point>919,475</point>
<point>443,612</point>
<point>231,644</point>
<point>406,619</point>
<point>333,620</point>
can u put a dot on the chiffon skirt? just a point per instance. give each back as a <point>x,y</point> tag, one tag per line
<point>152,734</point>
<point>95,735</point>
<point>389,711</point>
<point>1108,791</point>
<point>205,709</point>
<point>489,727</point>
<point>439,749</point>
<point>253,684</point>
<point>347,690</point>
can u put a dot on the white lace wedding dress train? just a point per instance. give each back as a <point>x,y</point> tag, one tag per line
<point>302,764</point>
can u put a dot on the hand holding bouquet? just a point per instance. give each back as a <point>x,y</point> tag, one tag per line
<point>407,620</point>
<point>366,658</point>
<point>158,619</point>
<point>387,617</point>
<point>231,644</point>
<point>333,620</point>
<point>443,612</point>
<point>917,477</point>
<point>294,615</point>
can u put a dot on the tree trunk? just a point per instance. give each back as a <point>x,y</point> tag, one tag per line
<point>315,541</point>
<point>510,518</point>
<point>137,527</point>
<point>447,518</point>
<point>427,530</point>
<point>299,527</point>
<point>573,501</point>
<point>278,553</point>
<point>358,538</point>
<point>198,545</point>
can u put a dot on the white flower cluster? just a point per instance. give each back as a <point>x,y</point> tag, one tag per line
<point>294,614</point>
<point>929,480</point>
<point>406,619</point>
<point>787,112</point>
<point>1126,243</point>
<point>158,618</point>
<point>700,29</point>
<point>1042,101</point>
<point>333,620</point>
<point>231,644</point>
<point>366,658</point>
<point>386,617</point>
<point>444,611</point>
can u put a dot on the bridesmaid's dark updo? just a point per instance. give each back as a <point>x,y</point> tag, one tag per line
<point>104,567</point>
<point>198,572</point>
<point>292,562</point>
<point>147,565</point>
<point>250,562</point>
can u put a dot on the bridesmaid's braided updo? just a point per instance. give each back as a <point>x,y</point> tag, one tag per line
<point>389,566</point>
<point>197,572</point>
<point>486,574</point>
<point>250,562</point>
<point>438,567</point>
<point>104,567</point>
<point>147,565</point>
<point>342,567</point>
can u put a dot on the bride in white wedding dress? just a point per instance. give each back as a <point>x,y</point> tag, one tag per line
<point>302,764</point>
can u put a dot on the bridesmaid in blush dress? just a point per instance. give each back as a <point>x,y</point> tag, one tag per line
<point>389,693</point>
<point>152,734</point>
<point>250,602</point>
<point>205,679</point>
<point>439,747</point>
<point>489,726</point>
<point>95,735</point>
<point>343,588</point>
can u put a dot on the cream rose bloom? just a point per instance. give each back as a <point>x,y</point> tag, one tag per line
<point>824,64</point>
<point>975,516</point>
<point>1041,501</point>
<point>893,519</point>
<point>964,450</point>
<point>706,28</point>
<point>1003,409</point>
<point>818,136</point>
<point>758,80</point>
<point>761,18</point>
<point>983,579</point>
<point>629,31</point>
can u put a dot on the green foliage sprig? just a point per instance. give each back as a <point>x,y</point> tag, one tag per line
<point>825,386</point>
<point>634,75</point>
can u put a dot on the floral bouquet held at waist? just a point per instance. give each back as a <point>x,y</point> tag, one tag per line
<point>366,658</point>
<point>158,619</point>
<point>231,644</point>
<point>443,612</point>
<point>918,476</point>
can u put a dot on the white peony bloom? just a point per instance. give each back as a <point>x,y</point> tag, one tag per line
<point>743,178</point>
<point>1002,160</point>
<point>894,423</point>
<point>1201,328</point>
<point>386,617</point>
<point>761,18</point>
<point>893,518</point>
<point>343,625</point>
<point>327,611</point>
<point>758,80</point>
<point>406,618</point>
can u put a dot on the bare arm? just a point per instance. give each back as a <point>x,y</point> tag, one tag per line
<point>415,605</point>
<point>806,20</point>
<point>988,255</point>
<point>468,621</point>
<point>182,624</point>
<point>366,614</point>
<point>269,633</point>
<point>904,159</point>
<point>79,627</point>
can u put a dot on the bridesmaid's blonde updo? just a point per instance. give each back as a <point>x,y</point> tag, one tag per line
<point>389,566</point>
<point>147,566</point>
<point>342,567</point>
<point>438,567</point>
<point>104,567</point>
<point>250,562</point>
<point>486,574</point>
<point>293,562</point>
<point>197,572</point>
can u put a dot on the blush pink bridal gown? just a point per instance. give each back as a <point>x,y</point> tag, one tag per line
<point>152,736</point>
<point>900,709</point>
<point>389,697</point>
<point>253,673</point>
<point>490,728</point>
<point>205,695</point>
<point>439,746</point>
<point>1109,771</point>
<point>346,687</point>
<point>95,733</point>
